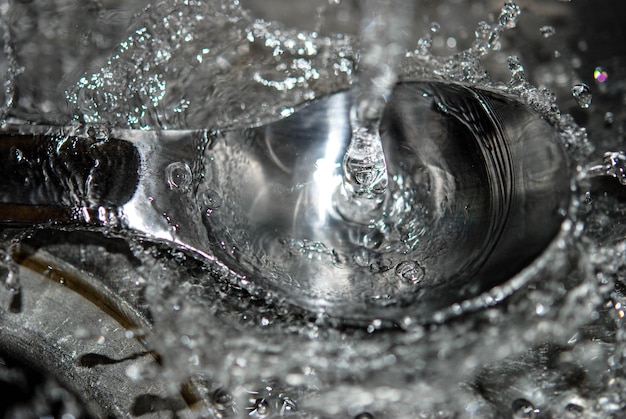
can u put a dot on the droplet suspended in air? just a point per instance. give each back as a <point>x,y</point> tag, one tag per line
<point>615,163</point>
<point>509,14</point>
<point>518,76</point>
<point>547,31</point>
<point>582,94</point>
<point>600,74</point>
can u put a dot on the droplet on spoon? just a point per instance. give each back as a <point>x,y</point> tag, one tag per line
<point>523,409</point>
<point>178,176</point>
<point>410,271</point>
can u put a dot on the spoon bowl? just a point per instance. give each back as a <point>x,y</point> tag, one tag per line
<point>478,188</point>
<point>479,185</point>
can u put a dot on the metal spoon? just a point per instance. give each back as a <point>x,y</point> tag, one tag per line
<point>479,187</point>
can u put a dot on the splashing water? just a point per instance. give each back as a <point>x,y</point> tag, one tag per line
<point>211,64</point>
<point>582,95</point>
<point>383,29</point>
<point>613,164</point>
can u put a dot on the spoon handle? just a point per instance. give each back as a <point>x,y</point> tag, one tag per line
<point>50,178</point>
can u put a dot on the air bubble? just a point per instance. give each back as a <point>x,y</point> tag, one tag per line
<point>434,27</point>
<point>179,176</point>
<point>609,118</point>
<point>582,95</point>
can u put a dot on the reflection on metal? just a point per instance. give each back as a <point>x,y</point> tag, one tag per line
<point>479,187</point>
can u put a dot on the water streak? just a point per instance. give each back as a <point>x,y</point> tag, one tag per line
<point>385,28</point>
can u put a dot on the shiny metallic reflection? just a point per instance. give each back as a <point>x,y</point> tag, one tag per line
<point>478,186</point>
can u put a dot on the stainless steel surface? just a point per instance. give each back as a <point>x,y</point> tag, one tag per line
<point>77,328</point>
<point>480,188</point>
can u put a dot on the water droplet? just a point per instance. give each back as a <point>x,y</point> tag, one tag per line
<point>16,154</point>
<point>483,29</point>
<point>600,74</point>
<point>615,164</point>
<point>424,44</point>
<point>609,118</point>
<point>9,272</point>
<point>260,408</point>
<point>364,166</point>
<point>509,14</point>
<point>410,271</point>
<point>364,415</point>
<point>179,176</point>
<point>523,409</point>
<point>518,77</point>
<point>573,410</point>
<point>373,239</point>
<point>285,112</point>
<point>547,31</point>
<point>287,404</point>
<point>97,132</point>
<point>582,94</point>
<point>141,372</point>
<point>212,201</point>
<point>222,400</point>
